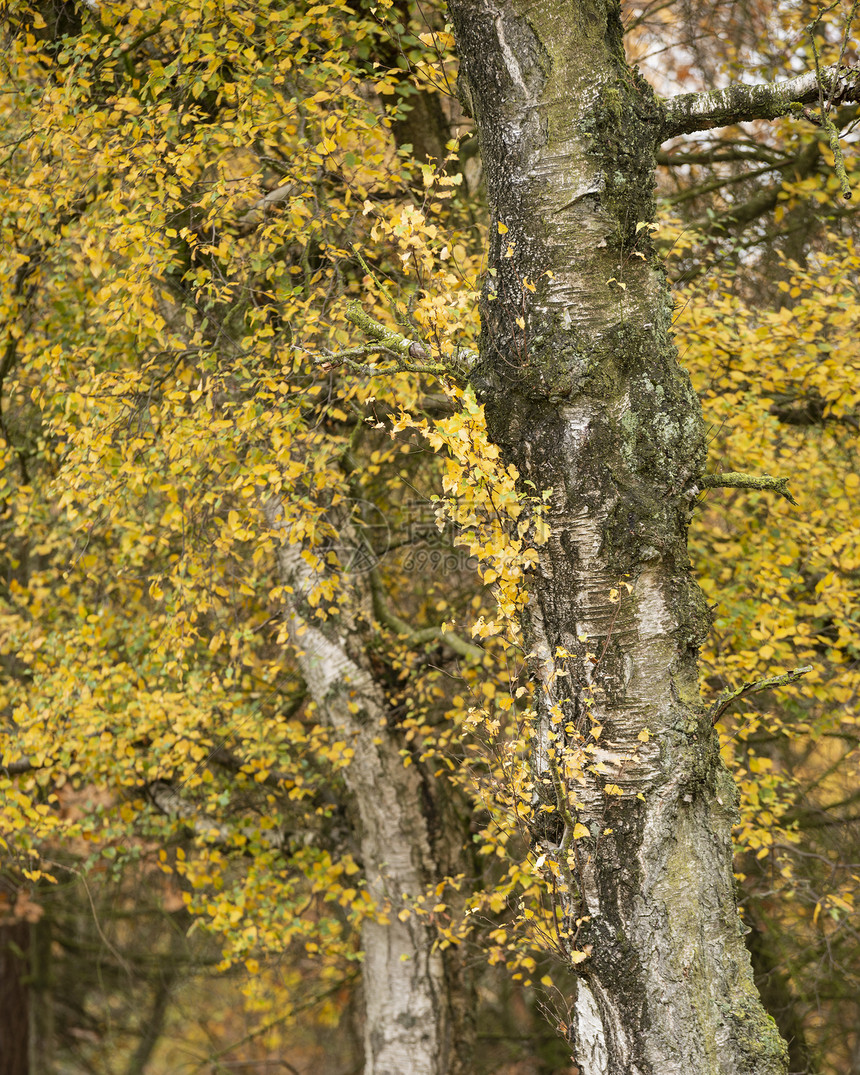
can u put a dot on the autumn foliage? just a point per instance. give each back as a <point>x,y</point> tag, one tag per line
<point>194,194</point>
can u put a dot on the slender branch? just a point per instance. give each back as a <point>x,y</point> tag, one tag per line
<point>721,153</point>
<point>718,184</point>
<point>735,480</point>
<point>409,356</point>
<point>838,159</point>
<point>738,103</point>
<point>394,623</point>
<point>643,17</point>
<point>846,37</point>
<point>292,1010</point>
<point>729,697</point>
<point>824,108</point>
<point>738,216</point>
<point>830,822</point>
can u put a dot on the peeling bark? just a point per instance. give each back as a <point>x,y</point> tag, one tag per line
<point>417,1010</point>
<point>588,399</point>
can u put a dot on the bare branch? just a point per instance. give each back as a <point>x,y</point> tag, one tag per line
<point>167,799</point>
<point>739,103</point>
<point>721,152</point>
<point>727,698</point>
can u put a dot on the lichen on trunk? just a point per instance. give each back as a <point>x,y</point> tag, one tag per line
<point>584,393</point>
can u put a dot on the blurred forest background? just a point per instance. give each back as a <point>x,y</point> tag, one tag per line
<point>193,193</point>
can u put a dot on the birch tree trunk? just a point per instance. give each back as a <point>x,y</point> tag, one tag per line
<point>418,1014</point>
<point>584,392</point>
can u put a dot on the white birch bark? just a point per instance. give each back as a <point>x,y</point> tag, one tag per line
<point>407,1014</point>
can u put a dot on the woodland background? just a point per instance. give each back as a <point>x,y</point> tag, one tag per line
<point>193,194</point>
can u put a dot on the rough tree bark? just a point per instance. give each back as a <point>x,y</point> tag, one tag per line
<point>583,391</point>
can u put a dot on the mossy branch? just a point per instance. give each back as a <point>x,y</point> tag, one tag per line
<point>406,355</point>
<point>737,103</point>
<point>729,697</point>
<point>825,106</point>
<point>838,159</point>
<point>736,480</point>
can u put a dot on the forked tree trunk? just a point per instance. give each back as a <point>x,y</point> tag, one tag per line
<point>584,393</point>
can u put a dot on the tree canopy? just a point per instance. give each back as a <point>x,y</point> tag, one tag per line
<point>269,688</point>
